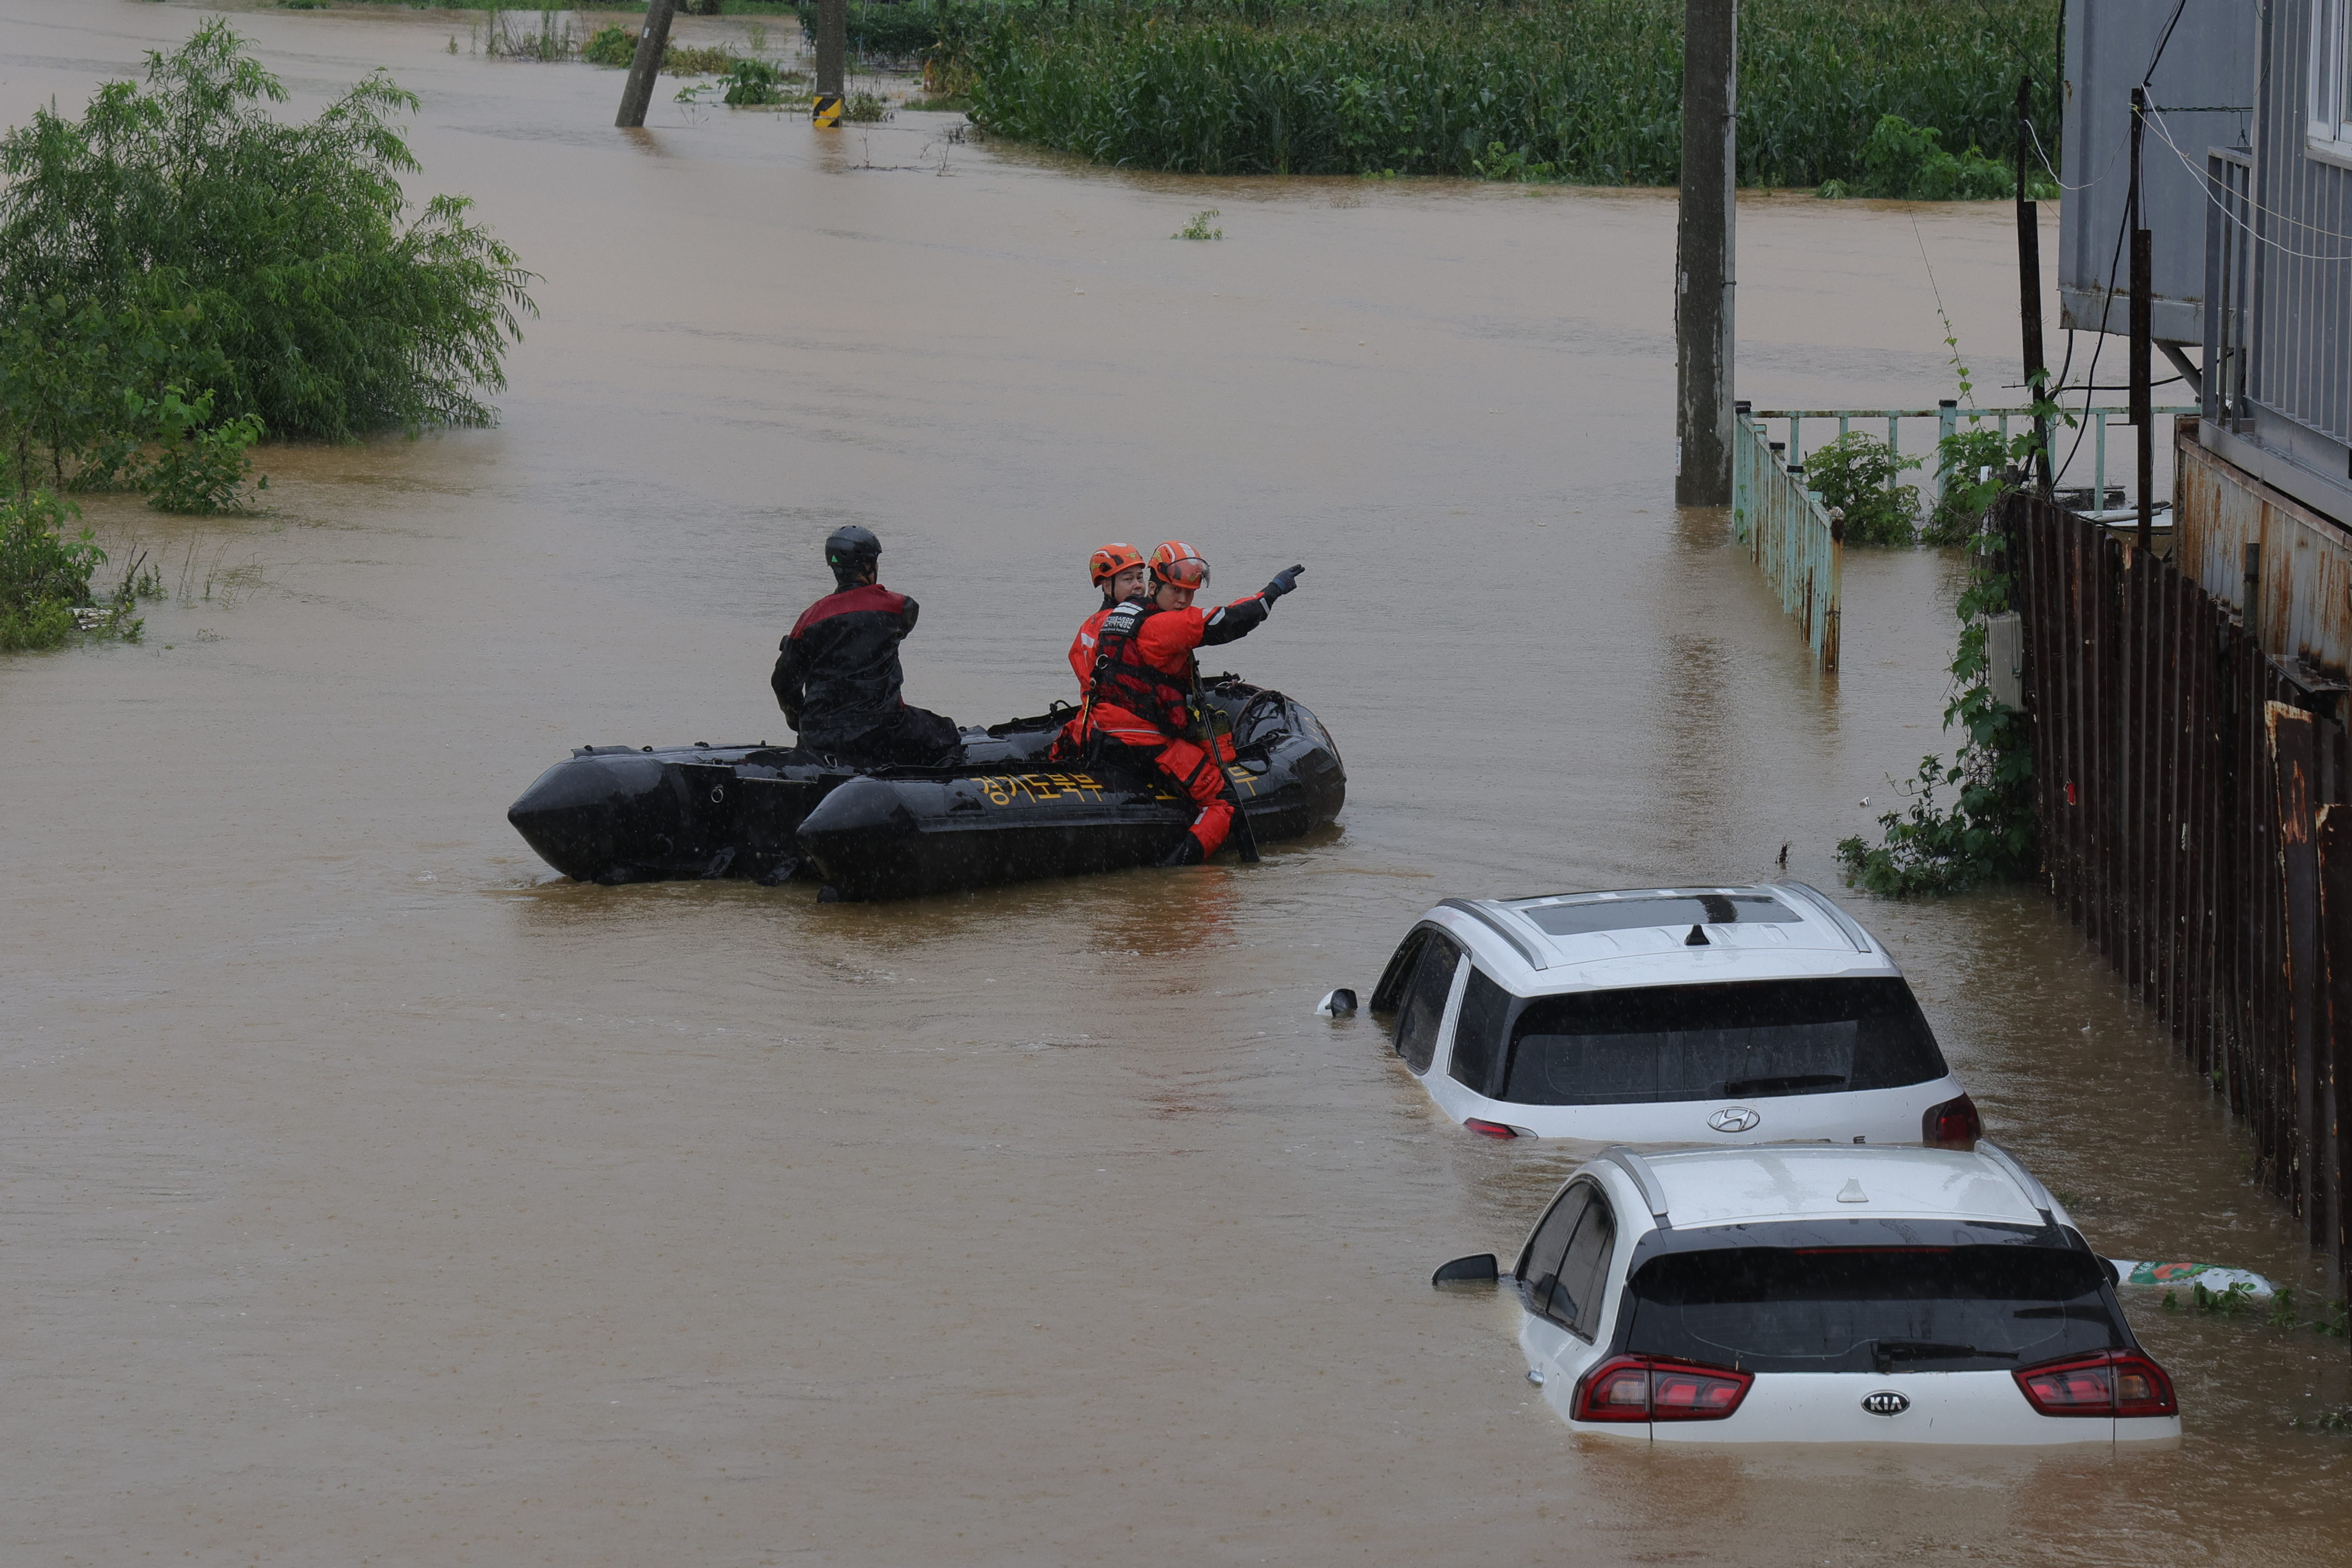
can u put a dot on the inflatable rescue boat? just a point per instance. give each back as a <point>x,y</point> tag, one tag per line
<point>1003,813</point>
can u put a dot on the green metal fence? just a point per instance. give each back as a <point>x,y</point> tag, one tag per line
<point>1796,541</point>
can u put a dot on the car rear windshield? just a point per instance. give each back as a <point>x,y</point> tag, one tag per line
<point>1743,1042</point>
<point>1873,1308</point>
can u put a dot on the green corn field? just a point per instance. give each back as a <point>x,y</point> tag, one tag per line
<point>1584,90</point>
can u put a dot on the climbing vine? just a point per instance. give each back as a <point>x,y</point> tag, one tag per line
<point>1987,832</point>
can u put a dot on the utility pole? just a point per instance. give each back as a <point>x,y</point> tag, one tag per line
<point>2143,287</point>
<point>1703,249</point>
<point>2029,284</point>
<point>831,43</point>
<point>652,44</point>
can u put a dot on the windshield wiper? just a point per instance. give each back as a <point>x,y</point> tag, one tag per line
<point>1885,1353</point>
<point>1739,1087</point>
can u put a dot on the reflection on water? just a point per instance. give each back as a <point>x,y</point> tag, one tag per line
<point>373,1194</point>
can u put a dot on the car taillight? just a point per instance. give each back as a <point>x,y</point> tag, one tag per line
<point>1653,1388</point>
<point>1488,1129</point>
<point>2113,1383</point>
<point>1954,1124</point>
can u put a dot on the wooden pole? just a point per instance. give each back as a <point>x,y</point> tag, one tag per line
<point>2029,284</point>
<point>1702,254</point>
<point>2143,287</point>
<point>652,44</point>
<point>832,43</point>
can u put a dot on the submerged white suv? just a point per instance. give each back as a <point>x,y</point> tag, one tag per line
<point>1668,1016</point>
<point>1827,1294</point>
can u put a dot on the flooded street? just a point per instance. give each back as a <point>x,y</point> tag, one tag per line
<point>368,1194</point>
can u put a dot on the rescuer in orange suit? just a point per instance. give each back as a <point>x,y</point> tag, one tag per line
<point>1140,693</point>
<point>1120,572</point>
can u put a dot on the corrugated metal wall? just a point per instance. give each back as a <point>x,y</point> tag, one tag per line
<point>2186,790</point>
<point>2303,596</point>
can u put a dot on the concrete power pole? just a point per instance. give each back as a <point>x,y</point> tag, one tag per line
<point>1703,249</point>
<point>831,43</point>
<point>652,44</point>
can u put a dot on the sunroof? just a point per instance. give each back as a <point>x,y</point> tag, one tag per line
<point>1665,909</point>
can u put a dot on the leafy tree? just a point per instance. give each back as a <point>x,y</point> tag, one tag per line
<point>286,255</point>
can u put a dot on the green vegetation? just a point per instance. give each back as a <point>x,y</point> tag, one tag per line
<point>1588,91</point>
<point>756,82</point>
<point>1901,160</point>
<point>2239,1300</point>
<point>1857,474</point>
<point>617,46</point>
<point>1988,833</point>
<point>906,30</point>
<point>44,577</point>
<point>179,270</point>
<point>1198,227</point>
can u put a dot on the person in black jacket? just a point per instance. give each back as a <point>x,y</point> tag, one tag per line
<point>837,677</point>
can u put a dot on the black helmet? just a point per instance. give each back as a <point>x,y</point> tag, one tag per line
<point>852,552</point>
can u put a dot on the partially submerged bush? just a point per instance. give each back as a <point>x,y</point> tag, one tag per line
<point>202,466</point>
<point>44,574</point>
<point>279,265</point>
<point>756,82</point>
<point>609,47</point>
<point>1906,161</point>
<point>1856,473</point>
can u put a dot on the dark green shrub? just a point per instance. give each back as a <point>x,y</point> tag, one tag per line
<point>1857,474</point>
<point>1906,161</point>
<point>609,47</point>
<point>754,82</point>
<point>202,466</point>
<point>314,296</point>
<point>44,575</point>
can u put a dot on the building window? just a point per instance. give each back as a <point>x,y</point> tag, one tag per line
<point>2329,133</point>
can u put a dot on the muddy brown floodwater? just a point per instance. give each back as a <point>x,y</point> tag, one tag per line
<point>373,1196</point>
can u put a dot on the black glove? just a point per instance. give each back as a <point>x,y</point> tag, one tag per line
<point>1284,581</point>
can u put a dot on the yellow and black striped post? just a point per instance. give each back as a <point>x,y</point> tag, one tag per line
<point>827,112</point>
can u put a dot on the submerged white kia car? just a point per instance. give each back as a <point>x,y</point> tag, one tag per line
<point>1827,1294</point>
<point>1677,1015</point>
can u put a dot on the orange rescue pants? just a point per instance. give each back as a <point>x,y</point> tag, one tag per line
<point>1186,765</point>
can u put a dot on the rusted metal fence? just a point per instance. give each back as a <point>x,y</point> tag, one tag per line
<point>2192,795</point>
<point>1788,533</point>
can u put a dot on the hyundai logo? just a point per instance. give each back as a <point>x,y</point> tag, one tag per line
<point>1734,1118</point>
<point>1887,1402</point>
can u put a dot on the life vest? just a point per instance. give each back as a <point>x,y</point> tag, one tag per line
<point>1124,679</point>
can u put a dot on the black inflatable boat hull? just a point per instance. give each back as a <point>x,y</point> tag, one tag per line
<point>618,814</point>
<point>913,832</point>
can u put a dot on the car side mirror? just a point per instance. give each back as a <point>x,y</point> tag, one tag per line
<point>1338,1004</point>
<point>1479,1270</point>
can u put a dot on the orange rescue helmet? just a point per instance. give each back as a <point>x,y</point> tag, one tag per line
<point>1110,561</point>
<point>1179,565</point>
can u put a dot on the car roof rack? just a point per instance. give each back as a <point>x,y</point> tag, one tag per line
<point>1493,922</point>
<point>1838,917</point>
<point>2035,1193</point>
<point>1635,1165</point>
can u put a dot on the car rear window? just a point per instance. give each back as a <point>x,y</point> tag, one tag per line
<point>1662,909</point>
<point>1743,1042</point>
<point>1873,1309</point>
